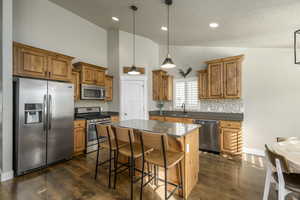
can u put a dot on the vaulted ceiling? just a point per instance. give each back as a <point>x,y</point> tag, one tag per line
<point>243,23</point>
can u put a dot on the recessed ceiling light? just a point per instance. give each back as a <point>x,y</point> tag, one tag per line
<point>115,19</point>
<point>164,28</point>
<point>214,25</point>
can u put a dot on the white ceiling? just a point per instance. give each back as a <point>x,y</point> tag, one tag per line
<point>243,23</point>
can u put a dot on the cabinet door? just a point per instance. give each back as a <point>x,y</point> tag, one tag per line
<point>155,88</point>
<point>79,139</point>
<point>232,79</point>
<point>76,82</point>
<point>229,140</point>
<point>167,84</point>
<point>203,84</point>
<point>88,75</point>
<point>30,63</point>
<point>60,68</point>
<point>109,88</point>
<point>158,118</point>
<point>99,77</point>
<point>215,80</point>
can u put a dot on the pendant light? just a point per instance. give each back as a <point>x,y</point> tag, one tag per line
<point>133,69</point>
<point>168,63</point>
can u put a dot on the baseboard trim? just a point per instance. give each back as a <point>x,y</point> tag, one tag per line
<point>257,152</point>
<point>6,175</point>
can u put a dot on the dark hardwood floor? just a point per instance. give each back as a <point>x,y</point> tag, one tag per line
<point>219,179</point>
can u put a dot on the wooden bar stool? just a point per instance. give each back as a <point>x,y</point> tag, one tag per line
<point>133,151</point>
<point>160,157</point>
<point>109,144</point>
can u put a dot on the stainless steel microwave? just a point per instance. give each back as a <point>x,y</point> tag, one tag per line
<point>92,92</point>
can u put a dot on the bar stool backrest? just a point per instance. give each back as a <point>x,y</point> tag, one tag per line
<point>272,157</point>
<point>283,139</point>
<point>157,141</point>
<point>104,130</point>
<point>124,134</point>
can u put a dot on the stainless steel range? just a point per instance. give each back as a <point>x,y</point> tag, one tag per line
<point>93,117</point>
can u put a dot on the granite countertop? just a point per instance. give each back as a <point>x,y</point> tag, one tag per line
<point>200,115</point>
<point>171,129</point>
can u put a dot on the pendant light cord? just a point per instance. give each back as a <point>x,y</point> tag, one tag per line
<point>168,37</point>
<point>133,37</point>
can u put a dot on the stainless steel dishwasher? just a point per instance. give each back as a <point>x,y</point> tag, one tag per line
<point>209,135</point>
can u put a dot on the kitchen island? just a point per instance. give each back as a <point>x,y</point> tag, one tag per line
<point>181,137</point>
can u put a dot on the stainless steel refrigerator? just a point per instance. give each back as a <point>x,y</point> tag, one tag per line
<point>43,123</point>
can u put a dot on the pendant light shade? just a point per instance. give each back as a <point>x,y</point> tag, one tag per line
<point>133,70</point>
<point>168,62</point>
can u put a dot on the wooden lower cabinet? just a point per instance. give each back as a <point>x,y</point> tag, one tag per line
<point>158,118</point>
<point>115,118</point>
<point>231,137</point>
<point>79,136</point>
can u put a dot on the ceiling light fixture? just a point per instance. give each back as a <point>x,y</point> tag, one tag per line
<point>168,62</point>
<point>115,19</point>
<point>164,28</point>
<point>133,69</point>
<point>213,25</point>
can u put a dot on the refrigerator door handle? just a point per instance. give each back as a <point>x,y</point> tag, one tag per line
<point>50,112</point>
<point>45,112</point>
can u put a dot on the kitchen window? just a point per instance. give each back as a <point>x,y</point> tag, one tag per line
<point>186,91</point>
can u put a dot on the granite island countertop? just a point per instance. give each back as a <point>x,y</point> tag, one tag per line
<point>200,115</point>
<point>169,128</point>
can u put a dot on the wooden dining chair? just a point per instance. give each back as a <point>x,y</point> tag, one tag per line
<point>287,182</point>
<point>160,157</point>
<point>110,144</point>
<point>283,139</point>
<point>133,151</point>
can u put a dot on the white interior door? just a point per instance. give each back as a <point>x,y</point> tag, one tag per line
<point>133,99</point>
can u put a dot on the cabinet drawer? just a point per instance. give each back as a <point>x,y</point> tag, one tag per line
<point>159,118</point>
<point>79,124</point>
<point>230,124</point>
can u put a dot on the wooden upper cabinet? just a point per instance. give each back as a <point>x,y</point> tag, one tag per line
<point>29,62</point>
<point>38,63</point>
<point>76,82</point>
<point>215,80</point>
<point>91,74</point>
<point>167,87</point>
<point>232,78</point>
<point>222,80</point>
<point>162,85</point>
<point>60,68</point>
<point>203,84</point>
<point>108,88</point>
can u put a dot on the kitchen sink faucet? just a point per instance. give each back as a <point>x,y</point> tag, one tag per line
<point>183,107</point>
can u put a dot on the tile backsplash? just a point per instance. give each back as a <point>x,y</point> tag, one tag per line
<point>91,103</point>
<point>218,105</point>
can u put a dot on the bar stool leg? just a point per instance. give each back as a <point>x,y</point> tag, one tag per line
<point>116,167</point>
<point>181,178</point>
<point>166,183</point>
<point>148,171</point>
<point>97,162</point>
<point>109,178</point>
<point>131,177</point>
<point>142,181</point>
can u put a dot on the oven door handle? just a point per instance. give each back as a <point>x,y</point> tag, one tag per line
<point>106,122</point>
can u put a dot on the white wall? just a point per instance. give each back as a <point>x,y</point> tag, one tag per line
<point>271,86</point>
<point>43,24</point>
<point>6,91</point>
<point>147,53</point>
